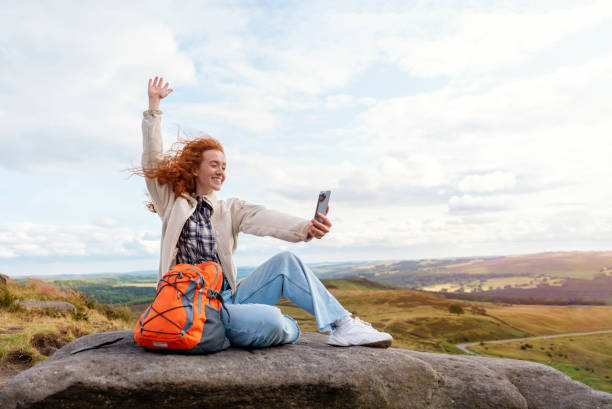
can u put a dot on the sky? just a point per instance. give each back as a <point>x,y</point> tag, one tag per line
<point>443,129</point>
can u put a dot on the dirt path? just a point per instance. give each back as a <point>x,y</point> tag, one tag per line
<point>464,347</point>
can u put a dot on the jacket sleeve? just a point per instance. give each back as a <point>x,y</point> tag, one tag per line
<point>152,151</point>
<point>256,219</point>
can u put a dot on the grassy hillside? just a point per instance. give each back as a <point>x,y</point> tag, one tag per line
<point>563,275</point>
<point>547,320</point>
<point>574,264</point>
<point>29,335</point>
<point>587,359</point>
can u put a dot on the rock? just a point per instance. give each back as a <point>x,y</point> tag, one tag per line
<point>59,305</point>
<point>307,374</point>
<point>3,280</point>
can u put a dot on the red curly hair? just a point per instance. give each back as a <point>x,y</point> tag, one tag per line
<point>178,164</point>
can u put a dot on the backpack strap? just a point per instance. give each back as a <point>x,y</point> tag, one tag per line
<point>216,295</point>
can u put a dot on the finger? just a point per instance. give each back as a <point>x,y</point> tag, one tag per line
<point>326,221</point>
<point>324,224</point>
<point>161,82</point>
<point>155,82</point>
<point>314,232</point>
<point>170,90</point>
<point>320,226</point>
<point>150,80</point>
<point>319,234</point>
<point>166,86</point>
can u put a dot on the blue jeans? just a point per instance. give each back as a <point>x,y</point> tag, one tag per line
<point>255,322</point>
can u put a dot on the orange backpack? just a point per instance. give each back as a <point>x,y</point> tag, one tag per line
<point>185,316</point>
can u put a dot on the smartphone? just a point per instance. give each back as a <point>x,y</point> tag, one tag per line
<point>322,204</point>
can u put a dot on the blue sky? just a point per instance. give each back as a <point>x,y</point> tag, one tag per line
<point>442,130</point>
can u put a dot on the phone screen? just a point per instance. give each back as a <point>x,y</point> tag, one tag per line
<point>322,203</point>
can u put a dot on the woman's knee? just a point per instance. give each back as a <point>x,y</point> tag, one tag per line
<point>270,319</point>
<point>290,261</point>
<point>259,325</point>
<point>286,256</point>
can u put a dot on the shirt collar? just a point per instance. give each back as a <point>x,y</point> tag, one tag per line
<point>210,199</point>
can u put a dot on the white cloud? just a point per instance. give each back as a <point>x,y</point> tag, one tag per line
<point>73,95</point>
<point>106,222</point>
<point>468,203</point>
<point>478,42</point>
<point>344,100</point>
<point>491,157</point>
<point>253,118</point>
<point>543,127</point>
<point>7,253</point>
<point>26,240</point>
<point>490,182</point>
<point>377,179</point>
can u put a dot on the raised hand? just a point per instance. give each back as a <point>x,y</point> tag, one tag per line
<point>157,91</point>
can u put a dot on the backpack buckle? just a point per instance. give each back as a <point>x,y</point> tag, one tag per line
<point>213,294</point>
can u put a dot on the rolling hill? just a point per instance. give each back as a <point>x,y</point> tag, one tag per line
<point>553,275</point>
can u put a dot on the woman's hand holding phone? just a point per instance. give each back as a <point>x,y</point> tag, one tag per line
<point>318,229</point>
<point>320,224</point>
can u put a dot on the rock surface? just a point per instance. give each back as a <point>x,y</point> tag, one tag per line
<point>307,374</point>
<point>59,305</point>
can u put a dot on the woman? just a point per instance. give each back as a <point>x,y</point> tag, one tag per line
<point>197,227</point>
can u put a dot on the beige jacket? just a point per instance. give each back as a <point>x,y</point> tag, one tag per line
<point>229,217</point>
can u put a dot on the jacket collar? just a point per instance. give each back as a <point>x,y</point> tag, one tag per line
<point>210,198</point>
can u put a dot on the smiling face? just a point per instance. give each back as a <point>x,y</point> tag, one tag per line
<point>211,173</point>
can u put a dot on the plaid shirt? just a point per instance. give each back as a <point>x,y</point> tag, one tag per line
<point>196,243</point>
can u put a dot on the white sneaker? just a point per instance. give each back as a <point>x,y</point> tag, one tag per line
<point>356,332</point>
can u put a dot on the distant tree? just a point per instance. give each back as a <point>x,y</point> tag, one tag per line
<point>455,309</point>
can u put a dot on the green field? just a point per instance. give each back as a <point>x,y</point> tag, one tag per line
<point>587,358</point>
